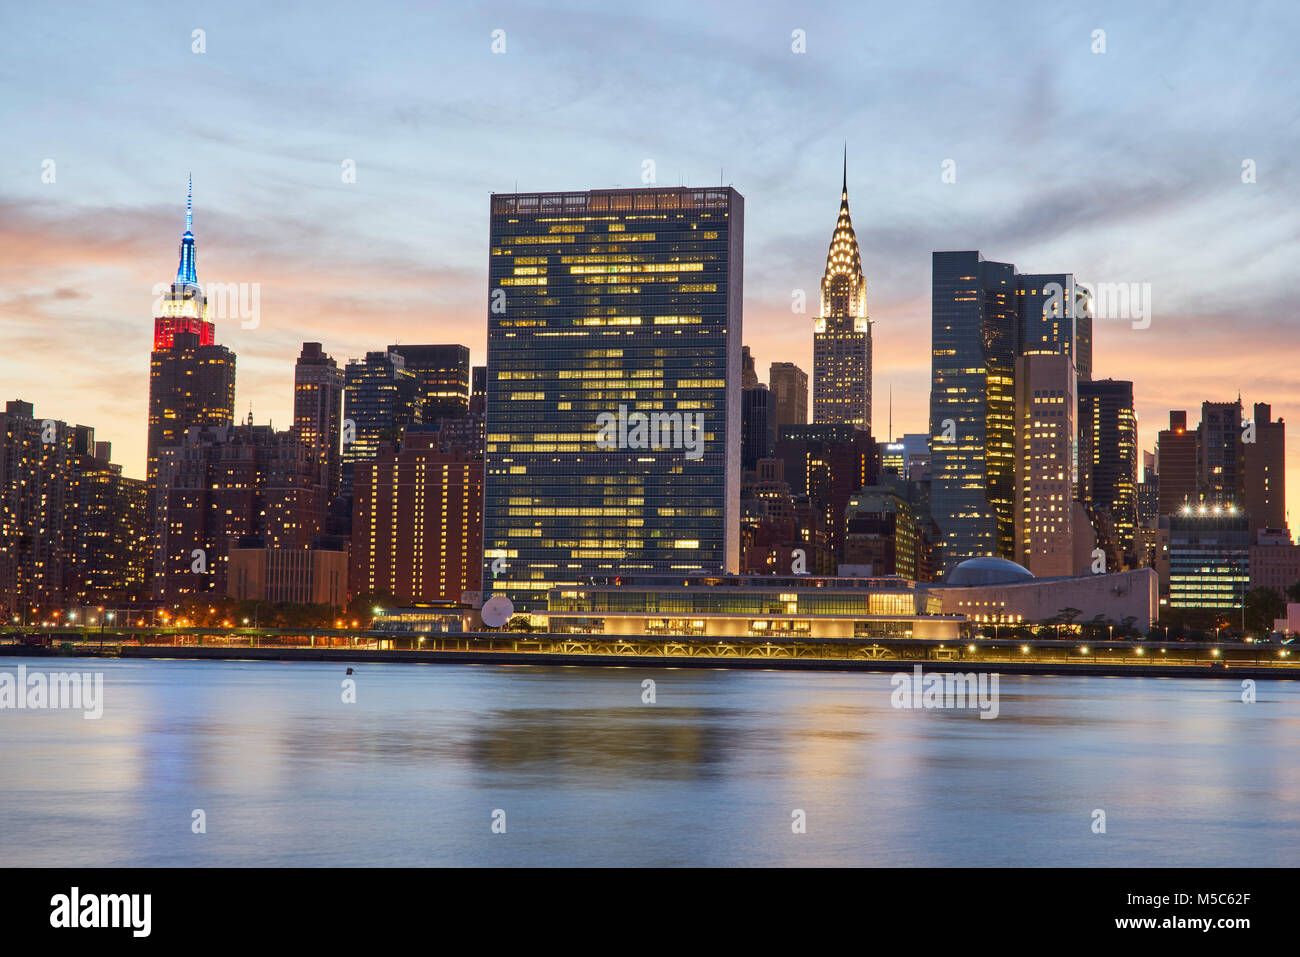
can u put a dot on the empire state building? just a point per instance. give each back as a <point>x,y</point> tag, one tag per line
<point>842,333</point>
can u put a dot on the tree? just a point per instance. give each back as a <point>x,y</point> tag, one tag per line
<point>1293,592</point>
<point>1263,605</point>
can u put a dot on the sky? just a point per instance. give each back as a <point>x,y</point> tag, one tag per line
<point>1119,166</point>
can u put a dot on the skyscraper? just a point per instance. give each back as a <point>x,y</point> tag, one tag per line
<point>191,379</point>
<point>1264,458</point>
<point>606,308</point>
<point>381,397</point>
<point>1219,466</point>
<point>1108,456</point>
<point>1046,448</point>
<point>984,316</point>
<point>758,432</point>
<point>443,375</point>
<point>789,385</point>
<point>417,531</point>
<point>318,411</point>
<point>842,332</point>
<point>972,405</point>
<point>1176,464</point>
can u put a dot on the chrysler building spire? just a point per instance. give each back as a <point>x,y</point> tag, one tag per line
<point>842,332</point>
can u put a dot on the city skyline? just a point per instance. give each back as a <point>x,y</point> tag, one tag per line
<point>400,254</point>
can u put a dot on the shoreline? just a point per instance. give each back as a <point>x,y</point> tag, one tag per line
<point>1234,671</point>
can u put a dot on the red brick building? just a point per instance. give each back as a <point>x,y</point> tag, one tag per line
<point>417,526</point>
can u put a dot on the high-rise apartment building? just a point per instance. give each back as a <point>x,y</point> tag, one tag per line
<point>244,485</point>
<point>614,366</point>
<point>72,527</point>
<point>842,330</point>
<point>789,386</point>
<point>417,528</point>
<point>318,411</point>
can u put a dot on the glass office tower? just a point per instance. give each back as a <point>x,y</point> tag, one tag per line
<point>613,387</point>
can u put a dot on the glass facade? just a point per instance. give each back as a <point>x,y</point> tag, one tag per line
<point>612,307</point>
<point>984,316</point>
<point>1209,557</point>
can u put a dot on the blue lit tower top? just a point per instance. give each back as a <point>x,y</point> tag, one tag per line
<point>186,273</point>
<point>185,308</point>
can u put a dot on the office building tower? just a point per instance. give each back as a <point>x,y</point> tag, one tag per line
<point>1264,462</point>
<point>972,405</point>
<point>614,380</point>
<point>444,379</point>
<point>381,397</point>
<point>748,373</point>
<point>1219,466</point>
<point>1148,492</point>
<point>1046,450</point>
<point>828,463</point>
<point>984,316</point>
<point>758,431</point>
<point>789,385</point>
<point>1209,556</point>
<point>417,528</point>
<point>318,411</point>
<point>1176,472</point>
<point>191,379</point>
<point>478,393</point>
<point>842,330</point>
<point>1108,456</point>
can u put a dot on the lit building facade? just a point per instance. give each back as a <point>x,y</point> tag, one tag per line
<point>625,304</point>
<point>318,411</point>
<point>1108,453</point>
<point>842,331</point>
<point>381,397</point>
<point>191,379</point>
<point>417,528</point>
<point>223,486</point>
<point>984,316</point>
<point>442,372</point>
<point>1046,451</point>
<point>1209,556</point>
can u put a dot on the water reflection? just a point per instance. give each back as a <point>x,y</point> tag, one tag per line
<point>589,774</point>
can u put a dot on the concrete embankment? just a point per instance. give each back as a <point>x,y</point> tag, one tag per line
<point>1235,671</point>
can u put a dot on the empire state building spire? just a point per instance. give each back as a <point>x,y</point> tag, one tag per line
<point>842,333</point>
<point>186,272</point>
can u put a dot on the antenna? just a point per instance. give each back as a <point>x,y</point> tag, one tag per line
<point>891,410</point>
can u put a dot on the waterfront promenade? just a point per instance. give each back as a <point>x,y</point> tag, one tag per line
<point>1148,658</point>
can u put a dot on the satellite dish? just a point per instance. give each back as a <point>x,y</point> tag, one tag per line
<point>497,610</point>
